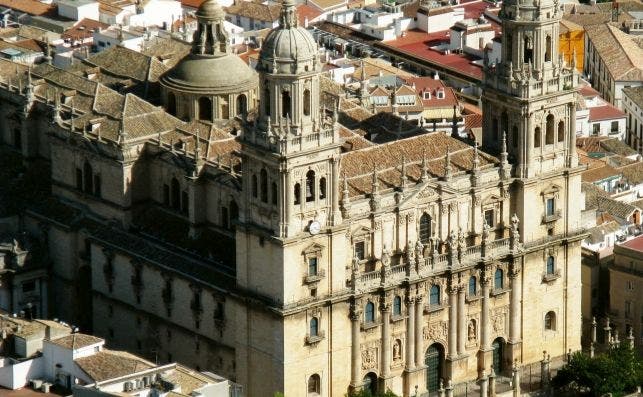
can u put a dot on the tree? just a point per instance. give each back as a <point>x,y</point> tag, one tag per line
<point>618,371</point>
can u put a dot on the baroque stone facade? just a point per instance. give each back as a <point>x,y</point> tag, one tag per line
<point>277,250</point>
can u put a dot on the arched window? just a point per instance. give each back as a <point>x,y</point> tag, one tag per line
<point>495,129</point>
<point>369,313</point>
<point>285,104</point>
<point>264,185</point>
<point>322,188</point>
<point>88,178</point>
<point>171,103</point>
<point>498,280</point>
<point>550,265</point>
<point>528,51</point>
<point>266,101</point>
<point>473,286</point>
<point>175,194</point>
<point>514,136</point>
<point>537,137</point>
<point>434,295</point>
<point>310,186</point>
<point>242,104</point>
<point>425,228</point>
<point>254,186</point>
<point>549,134</point>
<point>561,131</point>
<point>297,193</point>
<point>548,49</point>
<point>314,385</point>
<point>275,193</point>
<point>306,102</point>
<point>314,327</point>
<point>205,109</point>
<point>550,321</point>
<point>397,306</point>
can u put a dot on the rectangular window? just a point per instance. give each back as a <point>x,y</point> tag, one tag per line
<point>596,128</point>
<point>550,207</point>
<point>489,218</point>
<point>360,250</point>
<point>312,266</point>
<point>628,309</point>
<point>614,126</point>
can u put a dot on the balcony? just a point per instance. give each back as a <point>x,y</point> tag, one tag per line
<point>365,326</point>
<point>314,339</point>
<point>313,278</point>
<point>432,308</point>
<point>549,277</point>
<point>553,217</point>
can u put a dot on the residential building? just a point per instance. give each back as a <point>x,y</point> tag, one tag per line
<point>633,107</point>
<point>251,15</point>
<point>613,61</point>
<point>626,291</point>
<point>572,43</point>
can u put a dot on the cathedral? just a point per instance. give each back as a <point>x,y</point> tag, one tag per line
<point>233,230</point>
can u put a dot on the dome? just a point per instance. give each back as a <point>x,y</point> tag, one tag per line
<point>210,10</point>
<point>288,44</point>
<point>213,75</point>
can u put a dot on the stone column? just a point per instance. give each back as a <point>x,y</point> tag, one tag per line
<point>483,382</point>
<point>492,383</point>
<point>572,137</point>
<point>516,380</point>
<point>386,340</point>
<point>484,316</point>
<point>355,356</point>
<point>419,335</point>
<point>453,322</point>
<point>449,388</point>
<point>462,322</point>
<point>529,143</point>
<point>410,334</point>
<point>514,308</point>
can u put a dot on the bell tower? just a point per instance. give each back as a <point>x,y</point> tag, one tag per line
<point>530,94</point>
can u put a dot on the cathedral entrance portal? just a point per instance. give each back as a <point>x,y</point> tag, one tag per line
<point>434,360</point>
<point>498,347</point>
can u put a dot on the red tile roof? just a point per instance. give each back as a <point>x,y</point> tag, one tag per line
<point>31,7</point>
<point>191,3</point>
<point>606,112</point>
<point>635,244</point>
<point>472,121</point>
<point>417,43</point>
<point>305,11</point>
<point>588,92</point>
<point>424,84</point>
<point>84,29</point>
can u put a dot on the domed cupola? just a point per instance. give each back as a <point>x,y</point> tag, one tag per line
<point>290,48</point>
<point>211,82</point>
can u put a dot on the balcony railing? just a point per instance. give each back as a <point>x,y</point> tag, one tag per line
<point>556,215</point>
<point>313,339</point>
<point>313,278</point>
<point>549,277</point>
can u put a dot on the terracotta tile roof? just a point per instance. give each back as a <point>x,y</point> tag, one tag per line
<point>31,7</point>
<point>606,112</point>
<point>121,61</point>
<point>633,173</point>
<point>592,194</point>
<point>432,86</point>
<point>353,140</point>
<point>588,91</point>
<point>472,121</point>
<point>604,145</point>
<point>191,3</point>
<point>358,165</point>
<point>84,29</point>
<point>106,365</point>
<point>306,11</point>
<point>635,94</point>
<point>599,174</point>
<point>616,208</point>
<point>622,57</point>
<point>604,217</point>
<point>76,341</point>
<point>256,11</point>
<point>374,67</point>
<point>167,50</point>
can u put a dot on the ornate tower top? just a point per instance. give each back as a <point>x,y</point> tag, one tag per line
<point>210,37</point>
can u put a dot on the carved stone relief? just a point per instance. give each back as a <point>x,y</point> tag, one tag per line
<point>369,358</point>
<point>436,331</point>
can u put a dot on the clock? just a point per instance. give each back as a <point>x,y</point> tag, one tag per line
<point>314,227</point>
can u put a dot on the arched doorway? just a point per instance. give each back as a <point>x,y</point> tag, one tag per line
<point>242,105</point>
<point>370,383</point>
<point>434,359</point>
<point>498,347</point>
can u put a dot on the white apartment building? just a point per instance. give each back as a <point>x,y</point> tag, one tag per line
<point>633,107</point>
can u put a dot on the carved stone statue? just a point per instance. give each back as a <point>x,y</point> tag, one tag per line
<point>386,258</point>
<point>472,331</point>
<point>419,248</point>
<point>397,350</point>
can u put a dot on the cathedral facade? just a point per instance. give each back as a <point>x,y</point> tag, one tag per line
<point>270,253</point>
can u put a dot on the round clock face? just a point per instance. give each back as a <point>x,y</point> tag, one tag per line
<point>314,227</point>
